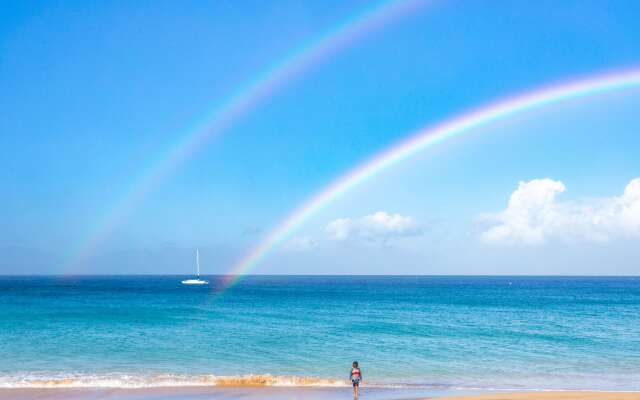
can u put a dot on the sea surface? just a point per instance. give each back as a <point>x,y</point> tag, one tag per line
<point>419,334</point>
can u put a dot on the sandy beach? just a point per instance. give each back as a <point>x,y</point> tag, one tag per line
<point>214,393</point>
<point>291,393</point>
<point>553,396</point>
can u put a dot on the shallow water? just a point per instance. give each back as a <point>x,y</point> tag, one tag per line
<point>214,393</point>
<point>409,333</point>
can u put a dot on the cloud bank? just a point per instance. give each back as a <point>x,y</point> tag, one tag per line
<point>380,226</point>
<point>535,216</point>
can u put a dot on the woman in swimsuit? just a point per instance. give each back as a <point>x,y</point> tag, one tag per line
<point>356,378</point>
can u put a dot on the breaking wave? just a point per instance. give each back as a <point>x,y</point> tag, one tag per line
<point>162,380</point>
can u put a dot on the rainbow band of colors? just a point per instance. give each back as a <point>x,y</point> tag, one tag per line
<point>240,103</point>
<point>427,138</point>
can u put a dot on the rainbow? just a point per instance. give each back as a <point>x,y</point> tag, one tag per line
<point>239,104</point>
<point>426,138</point>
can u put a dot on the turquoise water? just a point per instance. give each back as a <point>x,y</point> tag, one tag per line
<point>407,332</point>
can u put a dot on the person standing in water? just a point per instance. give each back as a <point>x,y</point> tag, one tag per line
<point>356,378</point>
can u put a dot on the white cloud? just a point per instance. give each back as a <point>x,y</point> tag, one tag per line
<point>301,243</point>
<point>534,216</point>
<point>378,226</point>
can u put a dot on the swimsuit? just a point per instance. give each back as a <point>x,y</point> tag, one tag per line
<point>355,376</point>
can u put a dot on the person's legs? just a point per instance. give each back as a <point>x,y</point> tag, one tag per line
<point>356,389</point>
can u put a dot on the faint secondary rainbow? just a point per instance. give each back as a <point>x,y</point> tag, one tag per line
<point>426,138</point>
<point>237,105</point>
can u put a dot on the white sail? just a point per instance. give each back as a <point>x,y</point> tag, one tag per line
<point>196,281</point>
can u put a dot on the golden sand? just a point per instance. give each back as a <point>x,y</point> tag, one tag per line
<point>553,396</point>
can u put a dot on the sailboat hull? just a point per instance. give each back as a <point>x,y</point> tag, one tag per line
<point>195,282</point>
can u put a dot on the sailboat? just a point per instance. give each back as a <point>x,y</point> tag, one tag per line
<point>196,281</point>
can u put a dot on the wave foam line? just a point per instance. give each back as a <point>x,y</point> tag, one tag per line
<point>140,381</point>
<point>426,138</point>
<point>240,103</point>
<point>126,381</point>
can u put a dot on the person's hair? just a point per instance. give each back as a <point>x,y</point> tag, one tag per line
<point>355,364</point>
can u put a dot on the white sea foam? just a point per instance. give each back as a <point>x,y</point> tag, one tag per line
<point>160,380</point>
<point>141,381</point>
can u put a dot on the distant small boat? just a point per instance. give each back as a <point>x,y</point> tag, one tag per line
<point>196,281</point>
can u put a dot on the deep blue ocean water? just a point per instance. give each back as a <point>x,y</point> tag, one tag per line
<point>436,332</point>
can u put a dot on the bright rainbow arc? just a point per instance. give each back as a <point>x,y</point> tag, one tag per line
<point>241,103</point>
<point>426,138</point>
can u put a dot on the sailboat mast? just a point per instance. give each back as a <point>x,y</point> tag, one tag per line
<point>198,261</point>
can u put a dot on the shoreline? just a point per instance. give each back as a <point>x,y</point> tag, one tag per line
<point>307,393</point>
<point>552,395</point>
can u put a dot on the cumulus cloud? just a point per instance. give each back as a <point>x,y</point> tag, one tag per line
<point>300,243</point>
<point>379,226</point>
<point>534,216</point>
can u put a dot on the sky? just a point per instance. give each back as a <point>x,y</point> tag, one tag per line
<point>94,95</point>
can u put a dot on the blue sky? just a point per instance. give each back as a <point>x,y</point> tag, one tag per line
<point>92,93</point>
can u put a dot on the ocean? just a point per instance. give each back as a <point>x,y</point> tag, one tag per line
<point>421,334</point>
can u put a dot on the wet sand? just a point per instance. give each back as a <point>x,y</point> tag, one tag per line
<point>216,393</point>
<point>291,393</point>
<point>553,396</point>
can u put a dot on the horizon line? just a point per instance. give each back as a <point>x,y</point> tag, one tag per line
<point>335,275</point>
